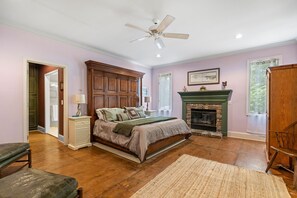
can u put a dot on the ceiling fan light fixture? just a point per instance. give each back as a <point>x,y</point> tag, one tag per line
<point>159,43</point>
<point>157,31</point>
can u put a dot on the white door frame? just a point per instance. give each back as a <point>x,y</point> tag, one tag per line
<point>47,101</point>
<point>26,98</point>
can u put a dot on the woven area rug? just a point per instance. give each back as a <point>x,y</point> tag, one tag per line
<point>194,177</point>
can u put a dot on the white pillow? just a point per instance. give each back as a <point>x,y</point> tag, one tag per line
<point>100,114</point>
<point>110,114</point>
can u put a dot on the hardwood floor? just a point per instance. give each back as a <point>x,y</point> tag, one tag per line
<point>102,174</point>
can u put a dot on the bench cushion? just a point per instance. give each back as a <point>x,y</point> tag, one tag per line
<point>10,150</point>
<point>36,183</point>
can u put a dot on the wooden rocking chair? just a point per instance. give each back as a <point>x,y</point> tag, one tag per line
<point>286,145</point>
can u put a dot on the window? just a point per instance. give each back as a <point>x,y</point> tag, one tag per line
<point>257,84</point>
<point>165,91</point>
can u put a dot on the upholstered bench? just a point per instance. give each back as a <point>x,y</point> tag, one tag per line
<point>12,152</point>
<point>36,183</point>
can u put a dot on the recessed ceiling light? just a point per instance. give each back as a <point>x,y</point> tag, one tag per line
<point>158,56</point>
<point>238,36</point>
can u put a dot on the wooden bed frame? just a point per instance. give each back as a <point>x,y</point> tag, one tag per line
<point>111,86</point>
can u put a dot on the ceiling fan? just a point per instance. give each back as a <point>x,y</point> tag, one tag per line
<point>157,31</point>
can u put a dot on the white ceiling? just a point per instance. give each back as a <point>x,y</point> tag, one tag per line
<point>212,25</point>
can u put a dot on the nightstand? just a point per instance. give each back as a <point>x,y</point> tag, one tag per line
<point>79,132</point>
<point>151,113</point>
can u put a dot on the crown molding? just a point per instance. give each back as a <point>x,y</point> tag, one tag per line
<point>74,43</point>
<point>278,44</point>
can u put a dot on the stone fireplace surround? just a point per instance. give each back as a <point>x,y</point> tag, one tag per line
<point>213,99</point>
<point>216,107</point>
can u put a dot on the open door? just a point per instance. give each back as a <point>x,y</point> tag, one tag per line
<point>51,103</point>
<point>35,96</point>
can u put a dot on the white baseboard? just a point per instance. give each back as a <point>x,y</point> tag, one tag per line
<point>41,129</point>
<point>61,138</point>
<point>246,136</point>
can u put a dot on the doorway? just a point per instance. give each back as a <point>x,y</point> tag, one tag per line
<point>49,92</point>
<point>51,98</point>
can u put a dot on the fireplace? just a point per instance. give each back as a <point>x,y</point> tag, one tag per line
<point>206,112</point>
<point>204,119</point>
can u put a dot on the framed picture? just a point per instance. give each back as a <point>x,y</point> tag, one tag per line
<point>204,77</point>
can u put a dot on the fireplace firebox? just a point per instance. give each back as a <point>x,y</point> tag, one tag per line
<point>204,119</point>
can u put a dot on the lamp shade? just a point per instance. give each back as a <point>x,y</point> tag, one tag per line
<point>147,99</point>
<point>80,99</point>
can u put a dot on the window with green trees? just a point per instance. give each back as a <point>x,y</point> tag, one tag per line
<point>257,84</point>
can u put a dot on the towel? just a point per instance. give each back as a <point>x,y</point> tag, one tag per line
<point>54,112</point>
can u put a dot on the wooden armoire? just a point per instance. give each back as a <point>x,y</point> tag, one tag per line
<point>282,105</point>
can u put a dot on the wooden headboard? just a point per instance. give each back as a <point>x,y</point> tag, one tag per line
<point>111,86</point>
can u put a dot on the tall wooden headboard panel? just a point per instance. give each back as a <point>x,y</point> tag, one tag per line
<point>111,86</point>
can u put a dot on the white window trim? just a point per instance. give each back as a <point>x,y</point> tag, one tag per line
<point>171,105</point>
<point>280,57</point>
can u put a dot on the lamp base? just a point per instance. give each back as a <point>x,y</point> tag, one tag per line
<point>78,113</point>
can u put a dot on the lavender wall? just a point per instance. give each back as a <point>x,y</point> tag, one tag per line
<point>17,46</point>
<point>233,69</point>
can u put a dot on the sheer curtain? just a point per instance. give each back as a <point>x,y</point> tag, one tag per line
<point>256,124</point>
<point>256,120</point>
<point>165,94</point>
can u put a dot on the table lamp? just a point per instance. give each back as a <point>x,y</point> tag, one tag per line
<point>79,99</point>
<point>147,99</point>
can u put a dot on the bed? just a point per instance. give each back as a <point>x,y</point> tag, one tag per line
<point>115,87</point>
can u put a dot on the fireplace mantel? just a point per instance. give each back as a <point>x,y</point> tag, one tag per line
<point>211,97</point>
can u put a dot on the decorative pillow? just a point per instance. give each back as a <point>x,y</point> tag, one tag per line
<point>133,113</point>
<point>111,113</point>
<point>127,108</point>
<point>100,114</point>
<point>123,116</point>
<point>141,114</point>
<point>139,110</point>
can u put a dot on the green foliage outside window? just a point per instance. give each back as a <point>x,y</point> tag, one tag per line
<point>257,85</point>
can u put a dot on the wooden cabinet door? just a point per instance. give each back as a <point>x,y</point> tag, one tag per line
<point>33,97</point>
<point>61,100</point>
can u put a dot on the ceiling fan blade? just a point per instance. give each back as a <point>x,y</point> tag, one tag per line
<point>176,35</point>
<point>137,28</point>
<point>165,23</point>
<point>159,43</point>
<point>140,39</point>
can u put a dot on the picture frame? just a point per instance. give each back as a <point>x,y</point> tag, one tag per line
<point>204,77</point>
